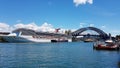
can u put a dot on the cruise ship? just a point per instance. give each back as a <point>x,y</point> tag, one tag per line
<point>23,35</point>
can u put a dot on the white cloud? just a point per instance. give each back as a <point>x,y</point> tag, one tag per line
<point>79,2</point>
<point>28,26</point>
<point>91,25</point>
<point>103,26</point>
<point>45,27</point>
<point>83,25</point>
<point>86,25</point>
<point>4,27</point>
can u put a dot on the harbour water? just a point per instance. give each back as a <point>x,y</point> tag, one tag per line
<point>56,55</point>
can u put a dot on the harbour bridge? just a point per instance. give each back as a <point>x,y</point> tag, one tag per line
<point>80,32</point>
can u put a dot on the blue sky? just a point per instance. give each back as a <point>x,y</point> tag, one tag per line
<point>67,14</point>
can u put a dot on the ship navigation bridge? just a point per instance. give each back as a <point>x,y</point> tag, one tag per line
<point>95,34</point>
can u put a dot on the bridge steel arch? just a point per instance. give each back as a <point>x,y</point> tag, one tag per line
<point>100,32</point>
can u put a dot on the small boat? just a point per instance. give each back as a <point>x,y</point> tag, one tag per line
<point>59,40</point>
<point>88,40</point>
<point>106,46</point>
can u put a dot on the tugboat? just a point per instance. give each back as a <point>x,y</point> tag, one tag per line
<point>107,45</point>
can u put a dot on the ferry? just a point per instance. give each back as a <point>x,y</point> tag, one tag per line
<point>27,36</point>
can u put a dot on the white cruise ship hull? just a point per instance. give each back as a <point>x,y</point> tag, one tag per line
<point>24,39</point>
<point>31,39</point>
